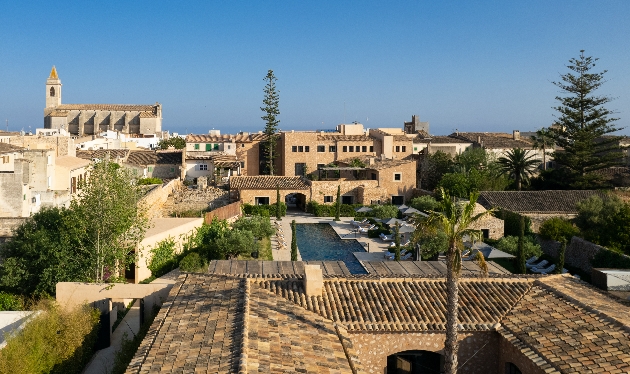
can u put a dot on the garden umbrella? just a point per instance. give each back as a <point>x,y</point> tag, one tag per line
<point>364,209</point>
<point>392,221</point>
<point>403,207</point>
<point>410,211</point>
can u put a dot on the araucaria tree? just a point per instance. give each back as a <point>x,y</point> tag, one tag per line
<point>582,123</point>
<point>454,221</point>
<point>271,100</point>
<point>112,221</point>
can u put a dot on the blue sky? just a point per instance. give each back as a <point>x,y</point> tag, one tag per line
<point>472,66</point>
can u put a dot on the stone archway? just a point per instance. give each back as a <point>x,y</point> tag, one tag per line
<point>415,362</point>
<point>295,200</point>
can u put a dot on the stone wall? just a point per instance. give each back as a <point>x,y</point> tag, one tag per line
<point>8,224</point>
<point>373,349</point>
<point>538,219</point>
<point>359,190</point>
<point>579,252</point>
<point>155,199</point>
<point>63,145</point>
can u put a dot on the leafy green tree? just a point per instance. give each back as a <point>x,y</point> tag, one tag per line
<point>543,139</point>
<point>294,250</point>
<point>432,169</point>
<point>605,221</point>
<point>455,221</point>
<point>430,241</point>
<point>582,125</point>
<point>384,211</point>
<point>111,220</point>
<point>509,244</point>
<point>558,228</point>
<point>44,250</point>
<point>472,158</point>
<point>424,203</point>
<point>518,165</point>
<point>338,204</point>
<point>176,142</point>
<point>235,243</point>
<point>271,101</point>
<point>259,226</point>
<point>455,184</point>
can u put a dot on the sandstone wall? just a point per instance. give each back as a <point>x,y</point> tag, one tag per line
<point>357,189</point>
<point>155,199</point>
<point>510,353</point>
<point>579,252</point>
<point>538,219</point>
<point>373,349</point>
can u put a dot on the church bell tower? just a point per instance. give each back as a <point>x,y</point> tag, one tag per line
<point>53,89</point>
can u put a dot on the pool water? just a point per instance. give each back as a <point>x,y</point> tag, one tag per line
<point>319,242</point>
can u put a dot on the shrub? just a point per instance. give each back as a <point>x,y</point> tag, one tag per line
<point>55,341</point>
<point>610,259</point>
<point>509,244</point>
<point>192,262</point>
<point>424,203</point>
<point>557,228</point>
<point>385,211</point>
<point>264,210</point>
<point>512,223</point>
<point>324,210</point>
<point>148,181</point>
<point>9,302</point>
<point>163,258</point>
<point>260,226</point>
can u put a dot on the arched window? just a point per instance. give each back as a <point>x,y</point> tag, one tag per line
<point>52,91</point>
<point>510,368</point>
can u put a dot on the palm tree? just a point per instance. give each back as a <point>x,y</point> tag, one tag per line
<point>518,165</point>
<point>543,140</point>
<point>455,221</point>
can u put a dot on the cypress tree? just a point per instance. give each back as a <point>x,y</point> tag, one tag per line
<point>278,213</point>
<point>521,252</point>
<point>563,249</point>
<point>338,207</point>
<point>294,251</point>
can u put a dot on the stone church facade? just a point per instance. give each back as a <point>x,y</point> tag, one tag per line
<point>91,119</point>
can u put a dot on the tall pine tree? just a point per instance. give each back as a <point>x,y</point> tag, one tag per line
<point>581,128</point>
<point>271,100</point>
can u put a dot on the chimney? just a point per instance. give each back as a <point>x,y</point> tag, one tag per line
<point>313,280</point>
<point>371,161</point>
<point>479,139</point>
<point>516,135</point>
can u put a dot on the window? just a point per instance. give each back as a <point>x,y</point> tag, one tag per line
<point>294,148</point>
<point>203,167</point>
<point>510,368</point>
<point>300,168</point>
<point>345,148</point>
<point>243,145</point>
<point>321,148</point>
<point>358,148</point>
<point>373,176</point>
<point>398,200</point>
<point>300,148</point>
<point>346,199</point>
<point>52,91</point>
<point>216,147</point>
<point>398,177</point>
<point>307,148</point>
<point>172,170</point>
<point>332,148</point>
<point>261,200</point>
<point>197,146</point>
<point>415,149</point>
<point>242,164</point>
<point>351,148</point>
<point>328,199</point>
<point>397,148</point>
<point>371,148</point>
<point>150,169</point>
<point>404,148</point>
<point>208,147</point>
<point>364,148</point>
<point>229,146</point>
<point>319,166</point>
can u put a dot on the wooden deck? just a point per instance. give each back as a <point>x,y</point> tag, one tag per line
<point>379,268</point>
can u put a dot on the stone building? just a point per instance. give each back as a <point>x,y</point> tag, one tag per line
<point>537,205</point>
<point>290,317</point>
<point>92,119</point>
<point>163,164</point>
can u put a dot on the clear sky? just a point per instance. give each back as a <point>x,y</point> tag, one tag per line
<point>467,65</point>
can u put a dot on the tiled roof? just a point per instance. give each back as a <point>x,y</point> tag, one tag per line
<point>493,140</point>
<point>557,330</point>
<point>108,107</point>
<point>71,162</point>
<point>240,138</point>
<point>440,140</point>
<point>148,115</point>
<point>154,158</point>
<point>58,113</point>
<point>101,153</point>
<point>552,201</point>
<point>268,182</point>
<point>7,148</point>
<point>342,138</point>
<point>378,163</point>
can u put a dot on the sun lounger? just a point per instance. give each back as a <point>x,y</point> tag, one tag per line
<point>386,238</point>
<point>531,260</point>
<point>392,245</point>
<point>366,229</point>
<point>544,271</point>
<point>406,257</point>
<point>391,255</point>
<point>538,265</point>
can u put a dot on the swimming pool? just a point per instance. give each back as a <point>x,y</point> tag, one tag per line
<point>319,242</point>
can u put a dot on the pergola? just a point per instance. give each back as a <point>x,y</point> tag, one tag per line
<point>338,168</point>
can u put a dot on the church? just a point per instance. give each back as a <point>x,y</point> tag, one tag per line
<point>92,119</point>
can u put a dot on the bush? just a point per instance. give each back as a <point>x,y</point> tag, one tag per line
<point>385,211</point>
<point>192,262</point>
<point>610,259</point>
<point>512,223</point>
<point>259,226</point>
<point>557,228</point>
<point>148,181</point>
<point>55,341</point>
<point>163,258</point>
<point>264,210</point>
<point>10,302</point>
<point>324,210</point>
<point>424,203</point>
<point>509,244</point>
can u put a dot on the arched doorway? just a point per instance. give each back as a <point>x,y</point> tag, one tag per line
<point>295,200</point>
<point>415,362</point>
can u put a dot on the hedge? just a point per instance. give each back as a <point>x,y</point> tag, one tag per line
<point>512,223</point>
<point>323,210</point>
<point>264,210</point>
<point>606,258</point>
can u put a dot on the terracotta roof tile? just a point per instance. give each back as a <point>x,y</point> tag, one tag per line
<point>493,140</point>
<point>108,107</point>
<point>268,182</point>
<point>239,138</point>
<point>154,158</point>
<point>440,140</point>
<point>342,138</point>
<point>552,201</point>
<point>101,153</point>
<point>8,148</point>
<point>378,164</point>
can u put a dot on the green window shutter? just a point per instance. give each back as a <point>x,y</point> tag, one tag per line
<point>196,146</point>
<point>208,147</point>
<point>216,147</point>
